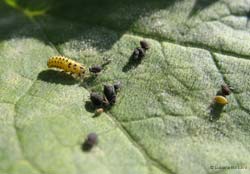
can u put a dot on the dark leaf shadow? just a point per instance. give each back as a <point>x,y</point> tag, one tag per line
<point>68,20</point>
<point>201,5</point>
<point>58,77</point>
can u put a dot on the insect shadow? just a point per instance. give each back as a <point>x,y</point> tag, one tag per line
<point>216,108</point>
<point>86,147</point>
<point>58,77</point>
<point>89,107</point>
<point>132,63</point>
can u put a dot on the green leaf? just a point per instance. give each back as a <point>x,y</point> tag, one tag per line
<point>161,122</point>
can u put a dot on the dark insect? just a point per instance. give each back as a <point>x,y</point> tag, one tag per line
<point>96,99</point>
<point>110,94</point>
<point>138,53</point>
<point>117,86</point>
<point>95,69</point>
<point>226,89</point>
<point>90,141</point>
<point>144,45</point>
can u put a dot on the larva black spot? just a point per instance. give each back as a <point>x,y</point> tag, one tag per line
<point>69,65</point>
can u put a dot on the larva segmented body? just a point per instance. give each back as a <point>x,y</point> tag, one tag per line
<point>66,64</point>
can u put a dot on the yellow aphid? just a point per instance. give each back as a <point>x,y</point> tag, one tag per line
<point>99,111</point>
<point>66,64</point>
<point>221,100</point>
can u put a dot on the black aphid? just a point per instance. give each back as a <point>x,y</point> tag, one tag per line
<point>117,86</point>
<point>138,53</point>
<point>226,89</point>
<point>95,69</point>
<point>90,141</point>
<point>144,45</point>
<point>110,94</point>
<point>96,99</point>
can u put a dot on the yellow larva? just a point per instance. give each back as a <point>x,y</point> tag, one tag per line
<point>221,100</point>
<point>66,64</point>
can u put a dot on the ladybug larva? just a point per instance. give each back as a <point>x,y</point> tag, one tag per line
<point>66,64</point>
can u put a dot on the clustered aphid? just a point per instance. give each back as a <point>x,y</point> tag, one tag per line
<point>108,99</point>
<point>99,102</point>
<point>139,52</point>
<point>90,141</point>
